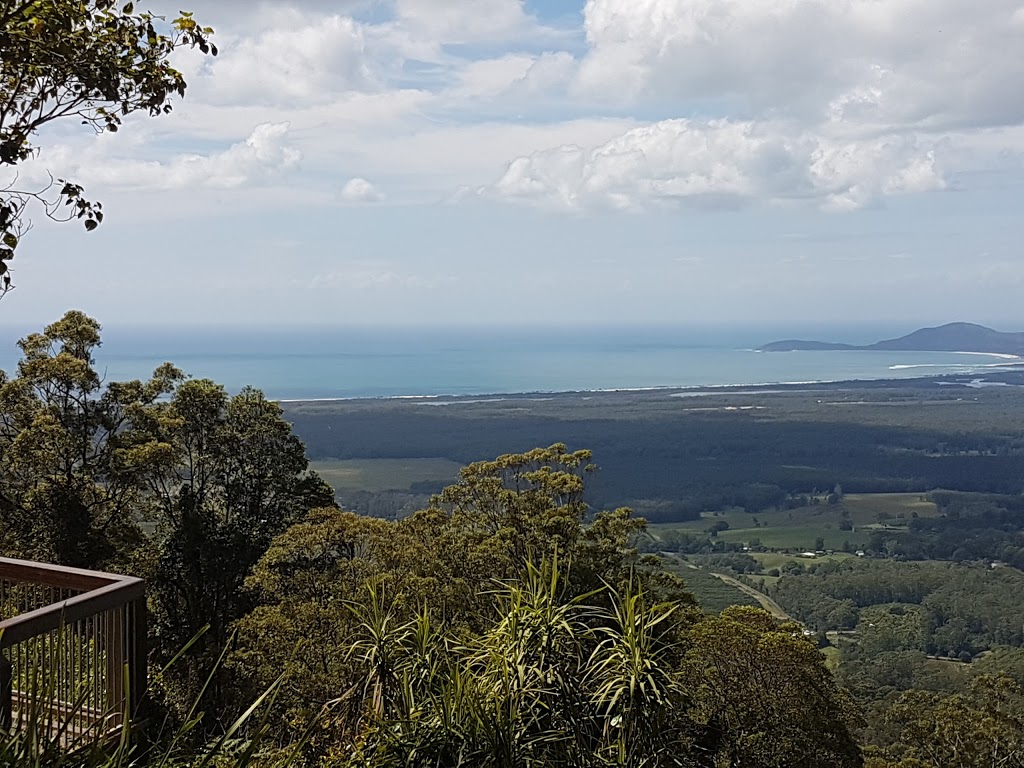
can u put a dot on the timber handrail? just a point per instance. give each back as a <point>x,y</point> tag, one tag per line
<point>84,632</point>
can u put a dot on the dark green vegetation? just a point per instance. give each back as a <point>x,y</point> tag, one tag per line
<point>952,337</point>
<point>914,639</point>
<point>672,457</point>
<point>843,468</point>
<point>503,622</point>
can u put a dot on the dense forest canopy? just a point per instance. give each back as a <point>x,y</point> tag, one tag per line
<point>673,456</point>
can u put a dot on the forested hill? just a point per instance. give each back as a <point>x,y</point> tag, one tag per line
<point>952,337</point>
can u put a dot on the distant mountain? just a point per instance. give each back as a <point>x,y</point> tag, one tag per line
<point>952,337</point>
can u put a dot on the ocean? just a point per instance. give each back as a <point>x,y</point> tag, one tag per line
<point>321,363</point>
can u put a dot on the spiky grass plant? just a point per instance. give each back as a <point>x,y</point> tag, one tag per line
<point>554,681</point>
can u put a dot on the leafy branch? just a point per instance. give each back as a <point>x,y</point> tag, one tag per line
<point>93,61</point>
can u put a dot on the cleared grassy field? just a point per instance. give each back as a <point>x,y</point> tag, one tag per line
<point>384,474</point>
<point>799,529</point>
<point>831,654</point>
<point>864,507</point>
<point>713,594</point>
<point>802,537</point>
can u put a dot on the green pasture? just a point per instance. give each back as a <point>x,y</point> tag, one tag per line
<point>376,475</point>
<point>800,537</point>
<point>832,656</point>
<point>798,529</point>
<point>864,507</point>
<point>713,594</point>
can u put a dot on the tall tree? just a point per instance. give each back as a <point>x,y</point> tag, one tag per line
<point>225,475</point>
<point>234,477</point>
<point>524,508</point>
<point>763,695</point>
<point>68,493</point>
<point>91,61</point>
<point>170,478</point>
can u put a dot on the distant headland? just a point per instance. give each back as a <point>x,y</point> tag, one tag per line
<point>952,337</point>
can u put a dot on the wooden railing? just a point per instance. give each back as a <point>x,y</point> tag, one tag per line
<point>72,646</point>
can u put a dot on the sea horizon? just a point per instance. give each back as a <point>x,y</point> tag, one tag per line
<point>322,364</point>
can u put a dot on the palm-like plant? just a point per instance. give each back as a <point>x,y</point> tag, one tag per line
<point>634,690</point>
<point>554,680</point>
<point>528,668</point>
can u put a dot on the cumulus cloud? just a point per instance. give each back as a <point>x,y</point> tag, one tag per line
<point>837,102</point>
<point>719,162</point>
<point>840,103</point>
<point>265,154</point>
<point>943,62</point>
<point>359,190</point>
<point>288,55</point>
<point>297,59</point>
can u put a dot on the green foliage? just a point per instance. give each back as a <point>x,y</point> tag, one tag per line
<point>95,62</point>
<point>983,726</point>
<point>1008,662</point>
<point>69,493</point>
<point>565,682</point>
<point>895,627</point>
<point>765,697</point>
<point>496,628</point>
<point>170,479</point>
<point>942,607</point>
<point>519,509</point>
<point>230,477</point>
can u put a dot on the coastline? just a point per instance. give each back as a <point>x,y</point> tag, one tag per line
<point>967,380</point>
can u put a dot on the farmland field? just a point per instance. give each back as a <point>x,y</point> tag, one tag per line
<point>376,475</point>
<point>713,594</point>
<point>799,529</point>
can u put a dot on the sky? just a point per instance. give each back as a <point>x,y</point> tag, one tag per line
<point>503,162</point>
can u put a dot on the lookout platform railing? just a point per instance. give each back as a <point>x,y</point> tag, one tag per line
<point>72,647</point>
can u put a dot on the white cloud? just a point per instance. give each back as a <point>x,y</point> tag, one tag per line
<point>897,62</point>
<point>441,158</point>
<point>512,82</point>
<point>719,162</point>
<point>359,190</point>
<point>295,60</point>
<point>265,154</point>
<point>458,21</point>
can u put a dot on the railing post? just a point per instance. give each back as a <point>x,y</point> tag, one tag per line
<point>114,642</point>
<point>138,653</point>
<point>6,693</point>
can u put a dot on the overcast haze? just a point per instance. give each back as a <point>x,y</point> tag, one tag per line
<point>618,161</point>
